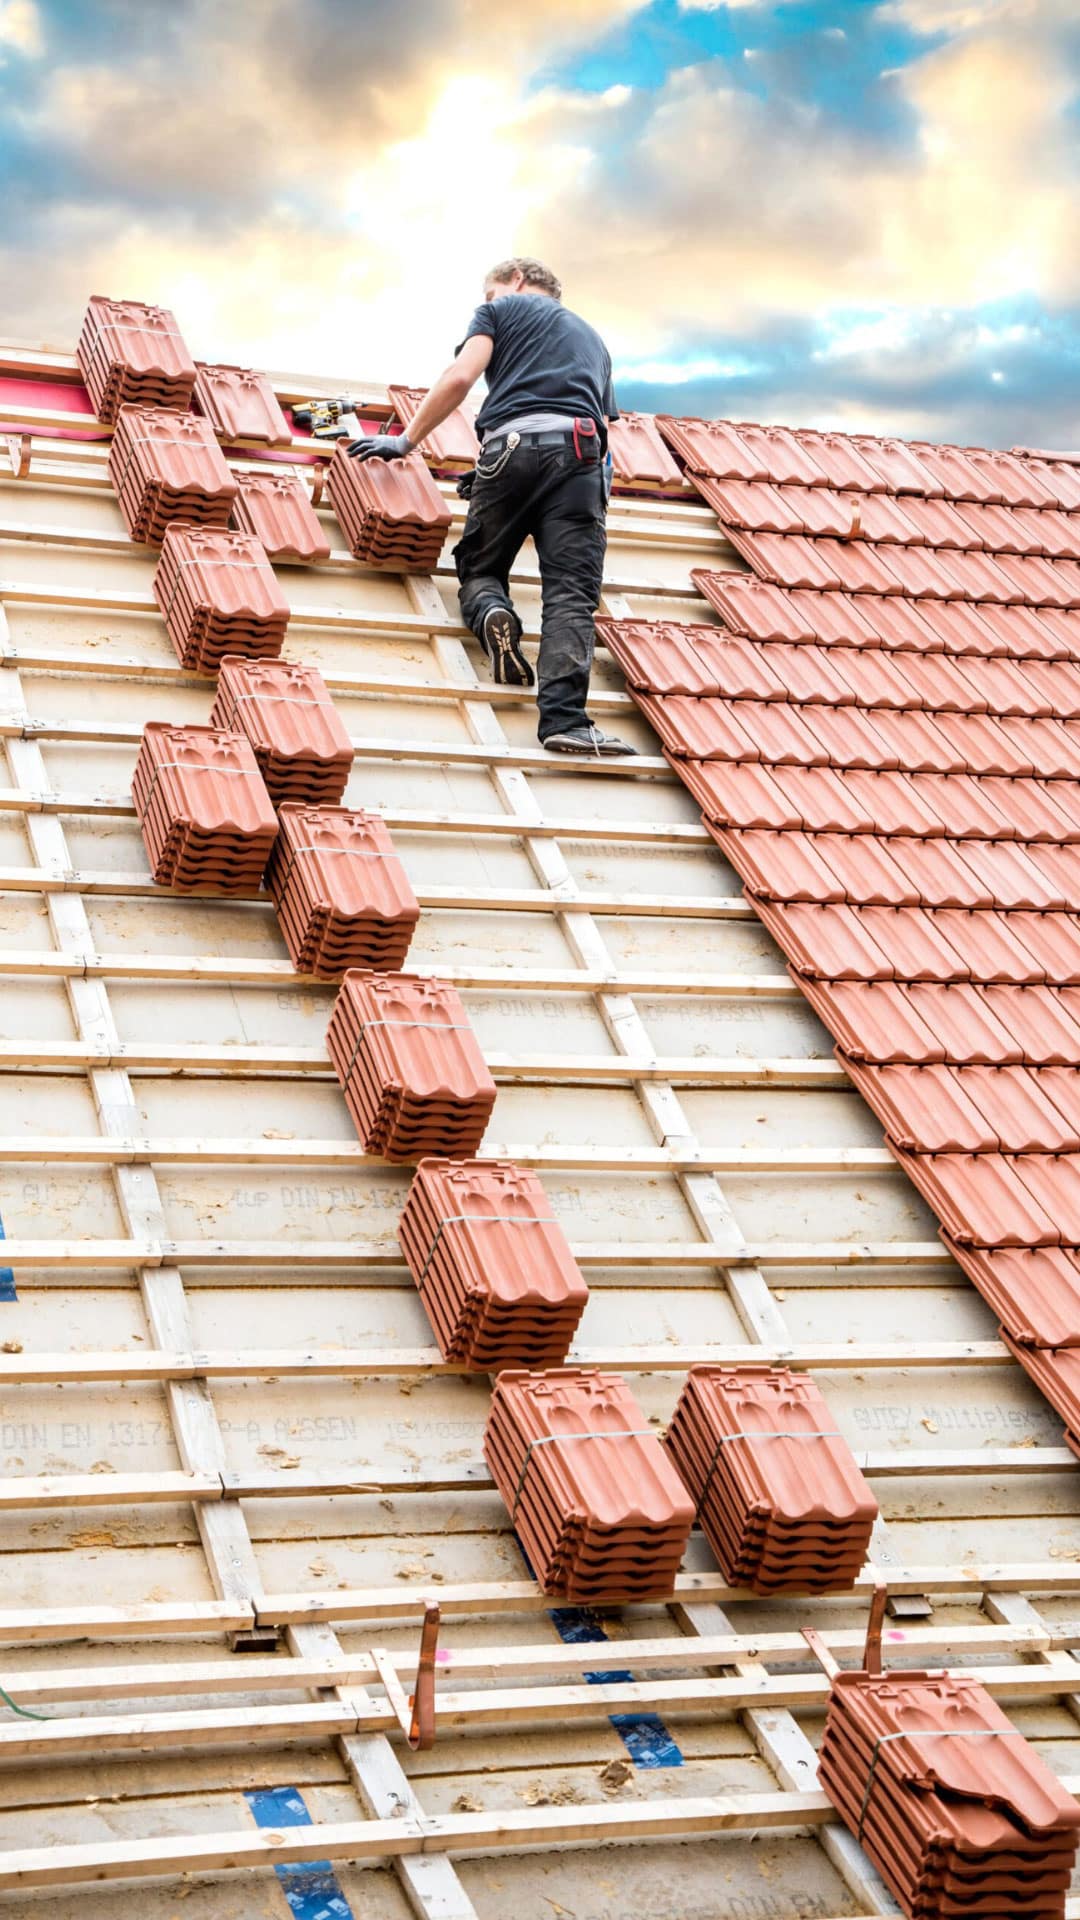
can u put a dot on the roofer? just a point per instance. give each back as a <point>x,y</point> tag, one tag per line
<point>543,470</point>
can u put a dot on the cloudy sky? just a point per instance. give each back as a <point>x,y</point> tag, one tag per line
<point>861,213</point>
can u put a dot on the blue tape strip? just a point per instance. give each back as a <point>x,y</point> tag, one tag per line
<point>644,1735</point>
<point>311,1889</point>
<point>7,1276</point>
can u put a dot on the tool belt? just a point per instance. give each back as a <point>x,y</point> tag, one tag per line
<point>583,435</point>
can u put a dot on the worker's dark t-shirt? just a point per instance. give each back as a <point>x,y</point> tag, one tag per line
<point>545,360</point>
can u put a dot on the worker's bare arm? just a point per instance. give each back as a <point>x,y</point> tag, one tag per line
<point>451,387</point>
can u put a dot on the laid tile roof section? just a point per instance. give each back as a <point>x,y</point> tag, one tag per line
<point>205,814</point>
<point>589,1489</point>
<point>884,741</point>
<point>168,466</point>
<point>342,896</point>
<point>277,508</point>
<point>240,404</point>
<point>775,1487</point>
<point>492,1265</point>
<point>129,352</point>
<point>300,742</point>
<point>955,1808</point>
<point>410,1066</point>
<point>390,511</point>
<point>218,595</point>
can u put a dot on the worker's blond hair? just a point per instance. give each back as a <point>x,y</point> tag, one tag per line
<point>533,272</point>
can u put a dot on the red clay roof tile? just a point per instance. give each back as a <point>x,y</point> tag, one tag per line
<point>205,815</point>
<point>927,1109</point>
<point>276,507</point>
<point>1019,483</point>
<point>897,466</point>
<point>878,1020</point>
<point>662,657</point>
<point>341,894</point>
<point>983,1194</point>
<point>493,1268</point>
<point>218,594</point>
<point>130,353</point>
<point>717,727</point>
<point>782,866</point>
<point>1052,940</point>
<point>453,444</point>
<point>240,404</point>
<point>788,559</point>
<point>770,509</point>
<point>959,478</point>
<point>1014,878</point>
<point>713,447</point>
<point>1035,1291</point>
<point>752,606</point>
<point>879,516</point>
<point>741,794</point>
<point>405,1054</point>
<point>1061,481</point>
<point>1053,684</point>
<point>781,1512</point>
<point>638,453</point>
<point>841,462</point>
<point>832,941</point>
<point>168,466</point>
<point>992,945</point>
<point>390,511</point>
<point>300,742</point>
<point>853,800</point>
<point>977,1109</point>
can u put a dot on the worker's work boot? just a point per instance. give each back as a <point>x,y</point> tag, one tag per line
<point>500,637</point>
<point>589,740</point>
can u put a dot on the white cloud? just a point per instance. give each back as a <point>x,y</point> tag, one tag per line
<point>20,27</point>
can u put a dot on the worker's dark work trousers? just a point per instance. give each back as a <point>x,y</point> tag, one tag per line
<point>558,499</point>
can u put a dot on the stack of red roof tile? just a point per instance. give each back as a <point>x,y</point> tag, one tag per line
<point>168,466</point>
<point>276,507</point>
<point>390,511</point>
<point>218,594</point>
<point>884,738</point>
<point>341,894</point>
<point>413,1075</point>
<point>205,815</point>
<point>777,1493</point>
<point>300,742</point>
<point>240,404</point>
<point>129,353</point>
<point>953,1806</point>
<point>454,444</point>
<point>599,1509</point>
<point>492,1264</point>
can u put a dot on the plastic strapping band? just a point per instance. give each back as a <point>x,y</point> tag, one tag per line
<point>548,1439</point>
<point>288,699</point>
<point>763,1433</point>
<point>155,440</point>
<point>482,1219</point>
<point>929,1733</point>
<point>437,1026</point>
<point>354,853</point>
<point>195,766</point>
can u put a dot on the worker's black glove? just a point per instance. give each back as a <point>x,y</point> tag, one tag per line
<point>465,484</point>
<point>381,446</point>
